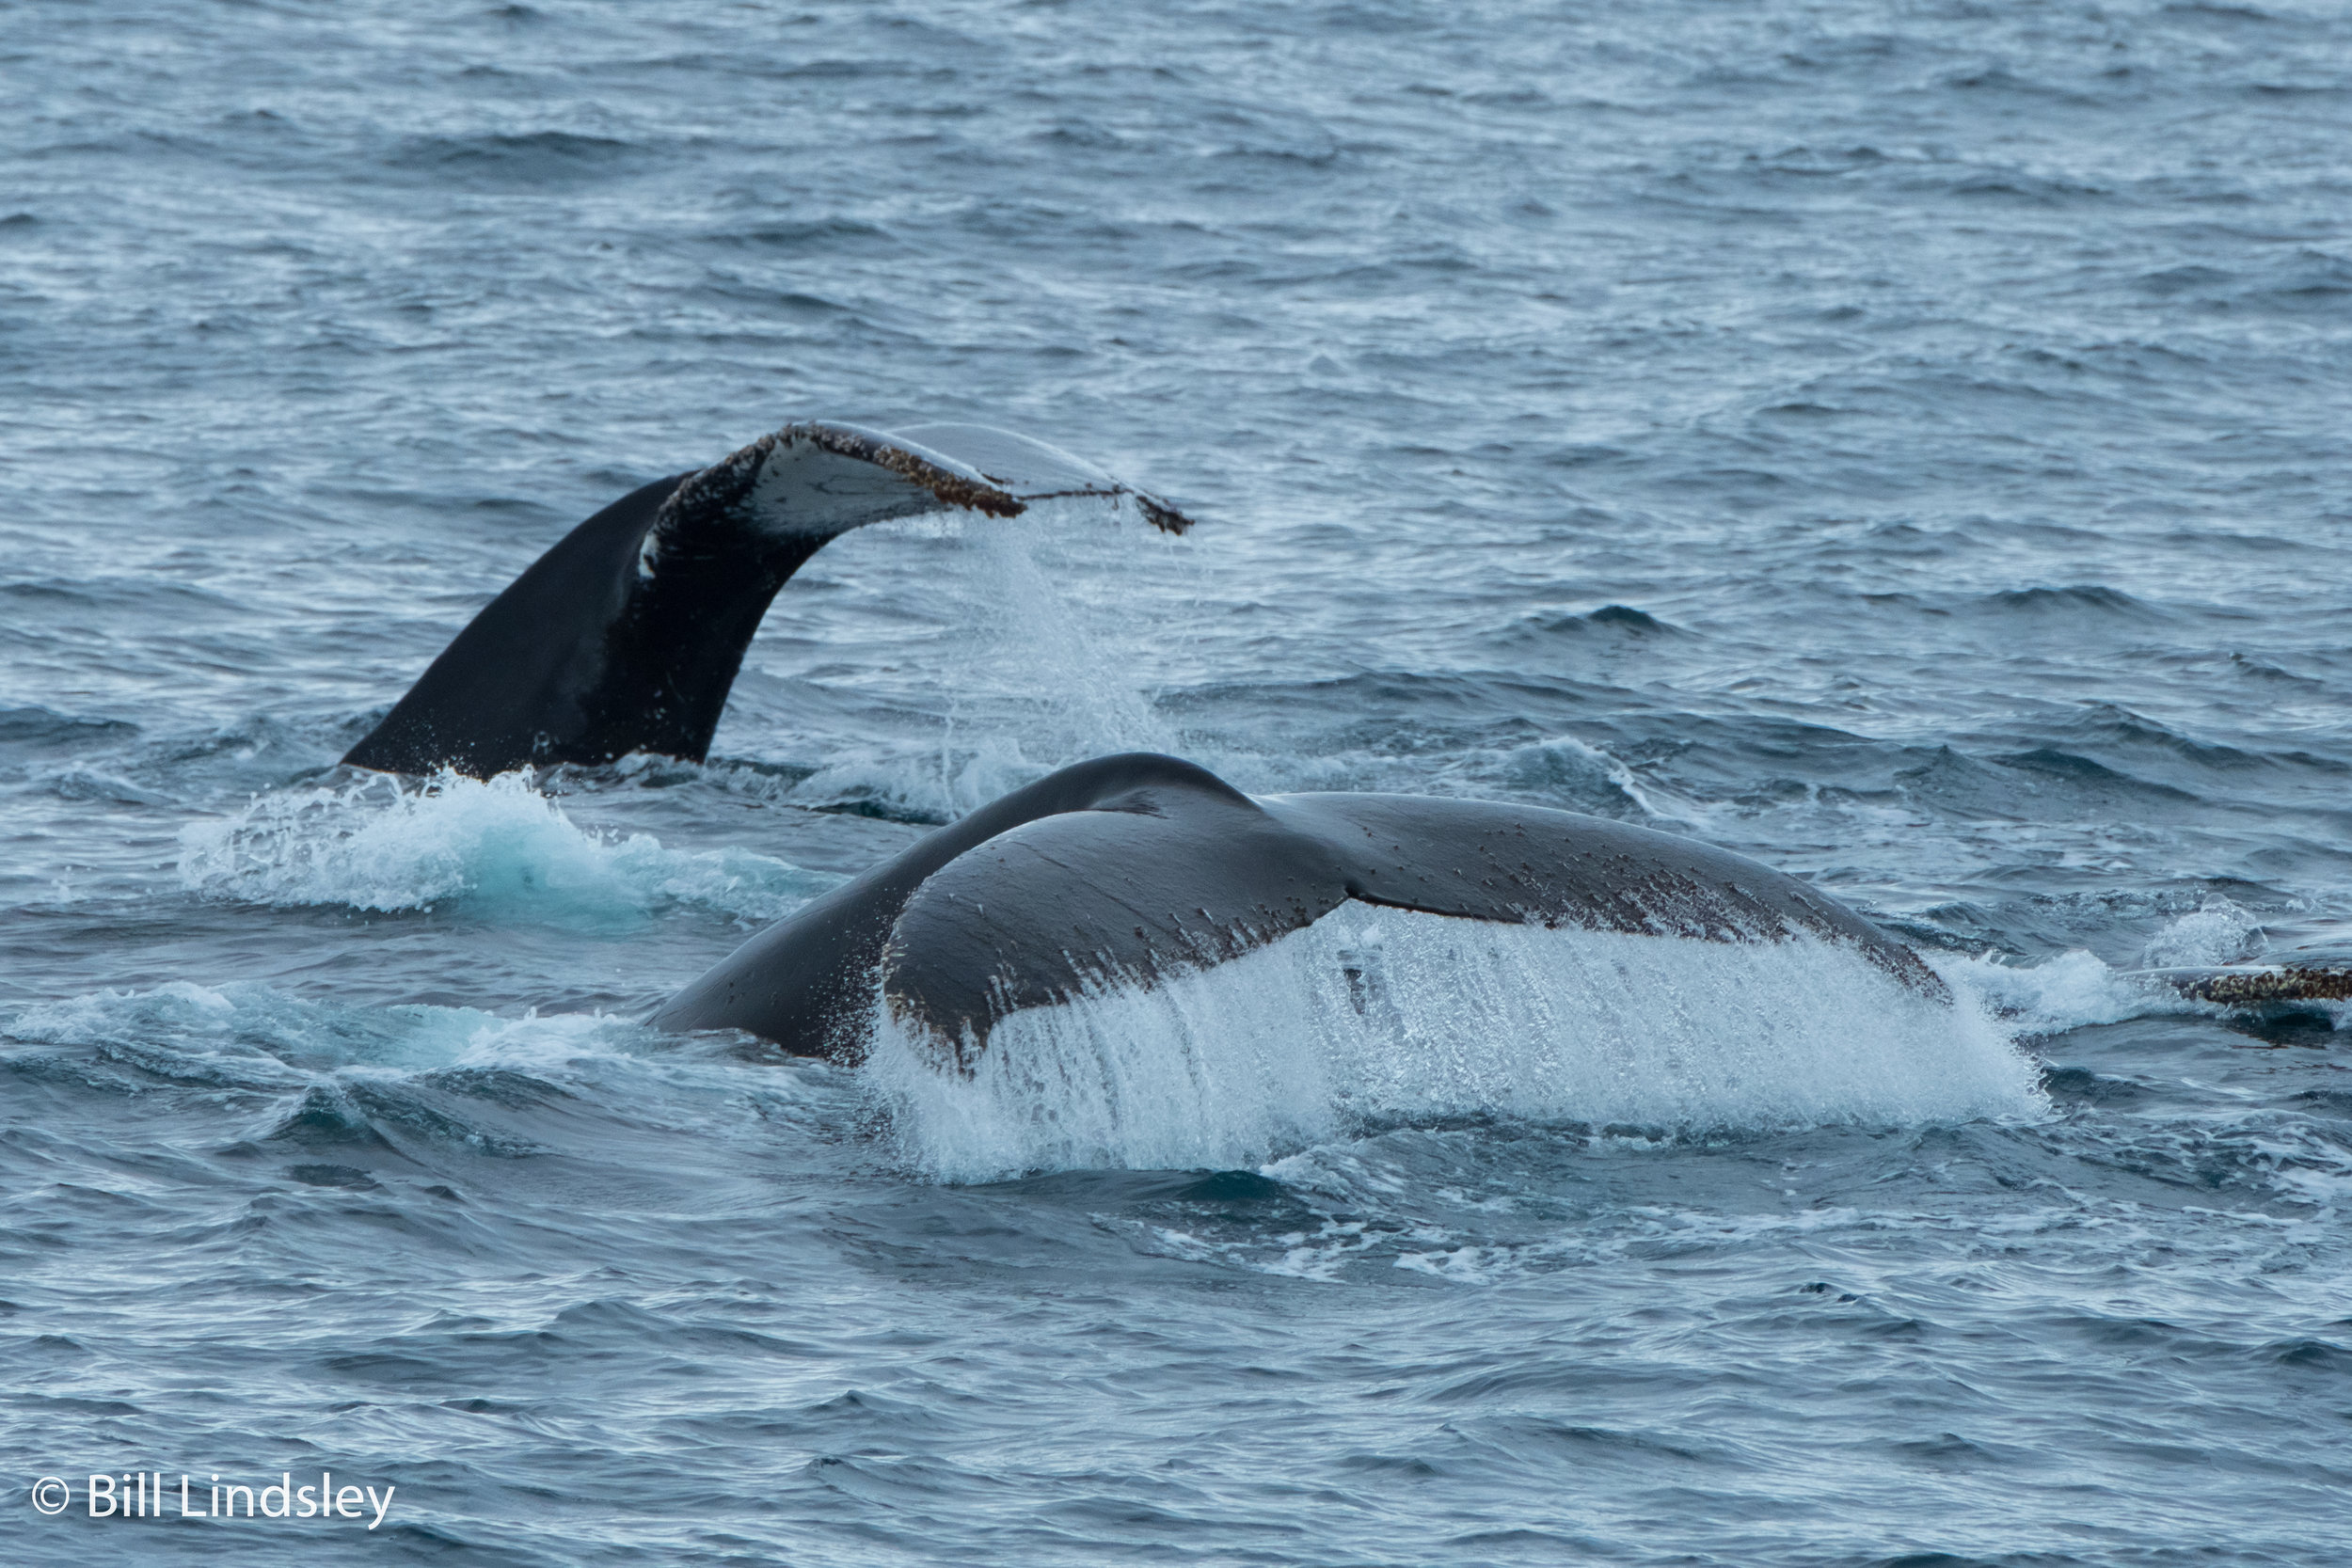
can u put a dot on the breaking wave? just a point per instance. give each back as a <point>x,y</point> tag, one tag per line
<point>497,848</point>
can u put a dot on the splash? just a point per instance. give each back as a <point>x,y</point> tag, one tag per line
<point>1566,773</point>
<point>1373,1016</point>
<point>1054,647</point>
<point>2073,990</point>
<point>2217,932</point>
<point>2077,989</point>
<point>498,848</point>
<point>1042,662</point>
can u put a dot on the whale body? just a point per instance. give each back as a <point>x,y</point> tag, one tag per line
<point>1129,870</point>
<point>626,634</point>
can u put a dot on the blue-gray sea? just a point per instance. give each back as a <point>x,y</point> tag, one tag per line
<point>1901,441</point>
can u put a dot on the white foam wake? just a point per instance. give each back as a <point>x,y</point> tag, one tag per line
<point>499,846</point>
<point>1374,1015</point>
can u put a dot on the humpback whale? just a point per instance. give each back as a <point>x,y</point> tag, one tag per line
<point>1130,869</point>
<point>626,634</point>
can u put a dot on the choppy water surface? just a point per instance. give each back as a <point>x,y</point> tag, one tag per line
<point>1903,443</point>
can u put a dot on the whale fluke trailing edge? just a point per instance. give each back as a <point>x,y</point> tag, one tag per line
<point>626,634</point>
<point>1128,869</point>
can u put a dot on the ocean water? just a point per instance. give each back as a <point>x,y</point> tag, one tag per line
<point>1903,442</point>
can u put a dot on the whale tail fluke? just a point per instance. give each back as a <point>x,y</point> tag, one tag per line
<point>626,634</point>
<point>1181,871</point>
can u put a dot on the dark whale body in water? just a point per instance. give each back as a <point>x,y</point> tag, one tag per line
<point>1130,868</point>
<point>628,634</point>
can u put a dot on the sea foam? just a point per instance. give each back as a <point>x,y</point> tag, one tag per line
<point>499,847</point>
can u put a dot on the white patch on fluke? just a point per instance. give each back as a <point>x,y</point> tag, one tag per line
<point>1374,1015</point>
